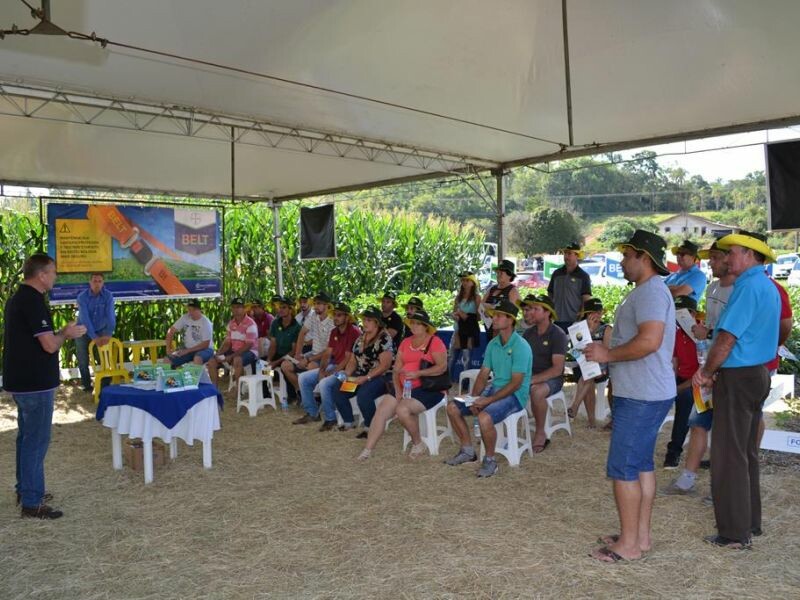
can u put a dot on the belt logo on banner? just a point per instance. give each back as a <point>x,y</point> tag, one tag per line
<point>195,231</point>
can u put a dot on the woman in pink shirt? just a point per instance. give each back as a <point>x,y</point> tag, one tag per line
<point>422,344</point>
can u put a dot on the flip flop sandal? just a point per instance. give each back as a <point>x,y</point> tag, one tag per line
<point>539,448</point>
<point>723,542</point>
<point>570,413</point>
<point>605,540</point>
<point>601,554</point>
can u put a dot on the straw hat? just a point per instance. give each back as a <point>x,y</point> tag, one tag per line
<point>421,316</point>
<point>542,300</point>
<point>505,307</point>
<point>746,239</point>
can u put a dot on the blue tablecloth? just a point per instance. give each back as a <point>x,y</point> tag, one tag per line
<point>167,408</point>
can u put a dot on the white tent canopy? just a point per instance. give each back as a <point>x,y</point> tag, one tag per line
<point>309,96</point>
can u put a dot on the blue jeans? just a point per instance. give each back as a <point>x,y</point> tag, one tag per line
<point>34,420</point>
<point>497,410</point>
<point>633,437</point>
<point>82,354</point>
<point>205,354</point>
<point>365,395</point>
<point>307,381</point>
<point>327,387</point>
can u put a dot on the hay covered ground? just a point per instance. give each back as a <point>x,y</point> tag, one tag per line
<point>287,513</point>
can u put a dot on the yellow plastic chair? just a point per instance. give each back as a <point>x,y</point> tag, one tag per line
<point>110,364</point>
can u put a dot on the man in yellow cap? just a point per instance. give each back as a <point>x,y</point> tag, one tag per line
<point>745,338</point>
<point>549,347</point>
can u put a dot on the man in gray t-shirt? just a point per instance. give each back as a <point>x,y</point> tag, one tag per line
<point>197,333</point>
<point>640,367</point>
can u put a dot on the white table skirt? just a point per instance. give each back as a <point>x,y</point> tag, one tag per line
<point>199,423</point>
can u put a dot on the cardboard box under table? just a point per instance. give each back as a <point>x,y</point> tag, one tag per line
<point>191,414</point>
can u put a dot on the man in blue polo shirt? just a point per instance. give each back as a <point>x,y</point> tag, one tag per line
<point>744,339</point>
<point>96,313</point>
<point>510,359</point>
<point>689,280</point>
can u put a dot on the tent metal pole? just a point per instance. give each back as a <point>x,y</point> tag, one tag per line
<point>276,235</point>
<point>501,214</point>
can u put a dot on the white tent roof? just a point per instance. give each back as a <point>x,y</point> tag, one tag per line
<point>427,87</point>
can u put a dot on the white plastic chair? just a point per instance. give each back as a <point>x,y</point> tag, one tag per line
<point>550,426</point>
<point>254,384</point>
<point>469,375</point>
<point>432,433</point>
<point>359,419</point>
<point>229,371</point>
<point>601,408</point>
<point>509,444</point>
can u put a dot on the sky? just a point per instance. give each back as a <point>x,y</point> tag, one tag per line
<point>735,155</point>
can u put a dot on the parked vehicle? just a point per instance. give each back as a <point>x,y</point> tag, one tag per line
<point>794,275</point>
<point>783,266</point>
<point>530,279</point>
<point>599,276</point>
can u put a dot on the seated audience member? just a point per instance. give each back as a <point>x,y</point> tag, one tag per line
<point>592,311</point>
<point>413,305</point>
<point>689,280</point>
<point>315,332</point>
<point>391,320</point>
<point>333,359</point>
<point>508,357</point>
<point>423,344</point>
<point>548,343</point>
<point>527,316</point>
<point>197,335</point>
<point>263,321</point>
<point>367,367</point>
<point>283,332</point>
<point>303,309</point>
<point>684,361</point>
<point>239,348</point>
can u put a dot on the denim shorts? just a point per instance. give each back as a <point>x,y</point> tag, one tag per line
<point>497,410</point>
<point>248,357</point>
<point>703,419</point>
<point>633,437</point>
<point>205,354</point>
<point>554,385</point>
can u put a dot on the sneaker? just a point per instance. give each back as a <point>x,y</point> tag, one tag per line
<point>365,454</point>
<point>305,419</point>
<point>362,435</point>
<point>328,426</point>
<point>671,461</point>
<point>417,450</point>
<point>461,458</point>
<point>705,464</point>
<point>488,467</point>
<point>40,512</point>
<point>674,490</point>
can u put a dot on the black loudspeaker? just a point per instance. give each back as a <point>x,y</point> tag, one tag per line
<point>783,185</point>
<point>317,233</point>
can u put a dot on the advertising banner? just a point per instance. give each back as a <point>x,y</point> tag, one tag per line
<point>145,252</point>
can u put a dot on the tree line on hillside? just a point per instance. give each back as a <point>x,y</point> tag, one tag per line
<point>588,190</point>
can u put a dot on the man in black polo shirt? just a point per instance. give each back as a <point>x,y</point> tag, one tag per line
<point>394,324</point>
<point>569,287</point>
<point>30,375</point>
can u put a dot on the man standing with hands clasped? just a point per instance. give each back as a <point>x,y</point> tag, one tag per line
<point>30,375</point>
<point>745,338</point>
<point>96,313</point>
<point>640,368</point>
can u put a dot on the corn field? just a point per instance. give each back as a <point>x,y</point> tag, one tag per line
<point>408,254</point>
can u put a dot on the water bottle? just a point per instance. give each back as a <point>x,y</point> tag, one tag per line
<point>341,376</point>
<point>476,429</point>
<point>160,379</point>
<point>702,352</point>
<point>407,389</point>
